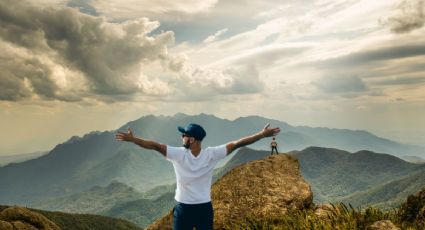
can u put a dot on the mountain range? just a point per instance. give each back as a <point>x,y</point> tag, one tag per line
<point>18,158</point>
<point>98,159</point>
<point>362,179</point>
<point>268,194</point>
<point>74,168</point>
<point>336,174</point>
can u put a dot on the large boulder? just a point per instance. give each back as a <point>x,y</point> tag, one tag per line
<point>262,188</point>
<point>23,219</point>
<point>4,225</point>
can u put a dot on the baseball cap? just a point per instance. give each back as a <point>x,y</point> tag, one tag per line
<point>193,130</point>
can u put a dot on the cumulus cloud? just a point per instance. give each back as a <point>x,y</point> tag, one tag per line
<point>199,83</point>
<point>37,41</point>
<point>62,54</point>
<point>410,16</point>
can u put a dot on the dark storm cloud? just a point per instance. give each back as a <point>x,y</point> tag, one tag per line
<point>410,16</point>
<point>107,54</point>
<point>62,54</point>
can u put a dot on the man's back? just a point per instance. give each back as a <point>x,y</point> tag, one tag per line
<point>194,174</point>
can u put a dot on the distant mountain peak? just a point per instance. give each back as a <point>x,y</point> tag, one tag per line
<point>318,149</point>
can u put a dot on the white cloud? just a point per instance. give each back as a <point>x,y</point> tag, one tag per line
<point>214,37</point>
<point>307,62</point>
<point>145,8</point>
<point>61,54</point>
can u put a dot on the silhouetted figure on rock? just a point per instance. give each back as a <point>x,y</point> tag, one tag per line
<point>273,144</point>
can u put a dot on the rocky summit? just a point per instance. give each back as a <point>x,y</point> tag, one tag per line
<point>262,188</point>
<point>19,218</point>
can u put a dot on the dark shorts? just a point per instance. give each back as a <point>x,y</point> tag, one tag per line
<point>188,216</point>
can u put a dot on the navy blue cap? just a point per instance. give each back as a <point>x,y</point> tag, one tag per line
<point>193,130</point>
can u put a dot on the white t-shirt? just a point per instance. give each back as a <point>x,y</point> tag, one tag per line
<point>194,174</point>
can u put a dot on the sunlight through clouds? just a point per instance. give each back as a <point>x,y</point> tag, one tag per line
<point>319,62</point>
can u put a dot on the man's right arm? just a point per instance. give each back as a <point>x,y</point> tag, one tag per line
<point>147,144</point>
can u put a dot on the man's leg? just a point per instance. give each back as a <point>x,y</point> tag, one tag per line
<point>204,217</point>
<point>182,219</point>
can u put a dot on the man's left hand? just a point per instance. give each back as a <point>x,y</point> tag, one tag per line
<point>269,132</point>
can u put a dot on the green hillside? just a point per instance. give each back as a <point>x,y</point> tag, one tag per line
<point>139,168</point>
<point>143,211</point>
<point>335,174</point>
<point>67,221</point>
<point>96,200</point>
<point>117,200</point>
<point>388,195</point>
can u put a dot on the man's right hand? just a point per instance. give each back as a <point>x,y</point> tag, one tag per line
<point>125,136</point>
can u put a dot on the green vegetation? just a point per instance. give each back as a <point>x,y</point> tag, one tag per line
<point>143,211</point>
<point>389,195</point>
<point>413,210</point>
<point>340,217</point>
<point>68,221</point>
<point>117,200</point>
<point>94,201</point>
<point>410,215</point>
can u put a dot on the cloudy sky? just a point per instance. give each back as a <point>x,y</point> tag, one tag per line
<point>69,67</point>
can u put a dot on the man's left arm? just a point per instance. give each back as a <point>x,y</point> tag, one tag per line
<point>266,132</point>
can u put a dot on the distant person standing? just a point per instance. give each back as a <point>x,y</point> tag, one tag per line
<point>193,166</point>
<point>273,144</point>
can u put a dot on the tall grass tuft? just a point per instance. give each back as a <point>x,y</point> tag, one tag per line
<point>340,216</point>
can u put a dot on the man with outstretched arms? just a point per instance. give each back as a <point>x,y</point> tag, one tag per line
<point>194,167</point>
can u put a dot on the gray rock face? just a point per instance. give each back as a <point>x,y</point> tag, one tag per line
<point>263,188</point>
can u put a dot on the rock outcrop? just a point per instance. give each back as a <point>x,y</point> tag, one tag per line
<point>269,187</point>
<point>19,218</point>
<point>383,225</point>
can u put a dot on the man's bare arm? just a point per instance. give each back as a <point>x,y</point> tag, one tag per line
<point>266,132</point>
<point>147,144</point>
